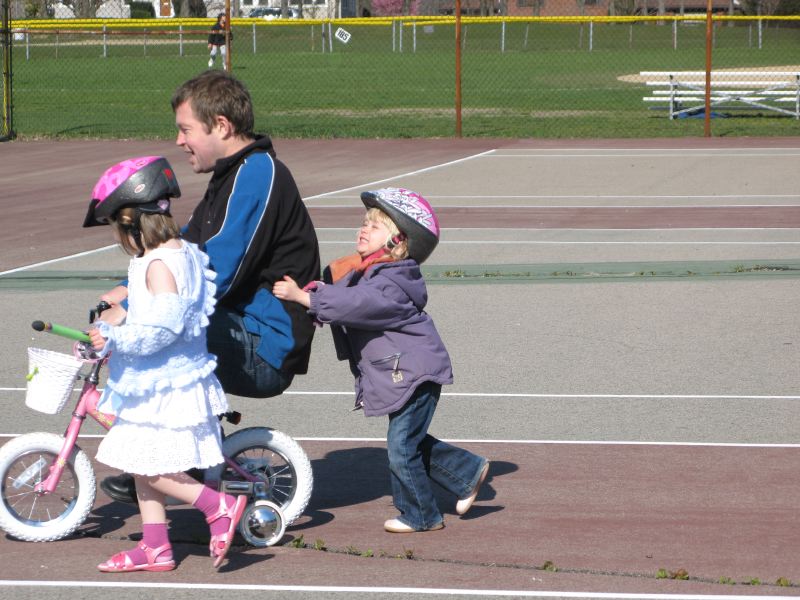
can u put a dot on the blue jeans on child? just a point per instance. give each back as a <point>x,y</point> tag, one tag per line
<point>416,458</point>
<point>240,370</point>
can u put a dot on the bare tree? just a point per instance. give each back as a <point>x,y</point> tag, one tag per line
<point>36,9</point>
<point>86,9</point>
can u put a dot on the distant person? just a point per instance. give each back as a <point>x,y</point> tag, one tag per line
<point>255,228</point>
<point>216,42</point>
<point>161,385</point>
<point>375,303</point>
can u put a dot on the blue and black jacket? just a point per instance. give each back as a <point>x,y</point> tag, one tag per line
<point>255,228</point>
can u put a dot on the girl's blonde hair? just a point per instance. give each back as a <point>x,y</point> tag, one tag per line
<point>154,229</point>
<point>398,251</point>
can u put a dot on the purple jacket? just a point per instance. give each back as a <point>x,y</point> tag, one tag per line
<point>381,328</point>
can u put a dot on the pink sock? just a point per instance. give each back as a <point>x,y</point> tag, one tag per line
<point>208,501</point>
<point>154,535</point>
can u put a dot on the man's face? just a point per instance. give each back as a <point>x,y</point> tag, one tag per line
<point>203,147</point>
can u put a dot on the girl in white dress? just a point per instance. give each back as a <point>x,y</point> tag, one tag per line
<point>161,383</point>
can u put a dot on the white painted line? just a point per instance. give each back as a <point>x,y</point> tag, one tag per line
<point>55,260</point>
<point>365,186</point>
<point>384,590</point>
<point>584,206</point>
<point>688,154</point>
<point>588,197</point>
<point>542,395</point>
<point>615,243</point>
<point>564,442</point>
<point>362,186</point>
<point>518,442</point>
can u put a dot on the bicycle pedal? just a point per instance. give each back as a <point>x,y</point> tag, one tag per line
<point>237,487</point>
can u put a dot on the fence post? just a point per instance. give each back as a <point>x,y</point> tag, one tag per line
<point>254,38</point>
<point>674,34</point>
<point>759,34</point>
<point>105,42</point>
<point>503,37</point>
<point>415,38</point>
<point>591,36</point>
<point>6,122</point>
<point>458,68</point>
<point>527,27</point>
<point>330,38</point>
<point>709,45</point>
<point>180,40</point>
<point>400,27</point>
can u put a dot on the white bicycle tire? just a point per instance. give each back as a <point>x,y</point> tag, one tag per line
<point>63,525</point>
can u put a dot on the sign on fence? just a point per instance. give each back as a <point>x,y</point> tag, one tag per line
<point>342,35</point>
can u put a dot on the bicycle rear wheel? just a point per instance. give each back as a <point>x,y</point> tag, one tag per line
<point>274,458</point>
<point>40,517</point>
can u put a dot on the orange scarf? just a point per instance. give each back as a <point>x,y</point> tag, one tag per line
<point>342,266</point>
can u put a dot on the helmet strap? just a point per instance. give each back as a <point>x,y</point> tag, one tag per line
<point>136,231</point>
<point>394,240</point>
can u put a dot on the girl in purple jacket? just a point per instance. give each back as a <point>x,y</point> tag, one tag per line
<point>375,305</point>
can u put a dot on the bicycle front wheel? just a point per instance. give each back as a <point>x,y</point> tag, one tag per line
<point>34,516</point>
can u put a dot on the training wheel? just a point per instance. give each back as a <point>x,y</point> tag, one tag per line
<point>262,524</point>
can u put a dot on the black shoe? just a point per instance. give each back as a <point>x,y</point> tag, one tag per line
<point>121,488</point>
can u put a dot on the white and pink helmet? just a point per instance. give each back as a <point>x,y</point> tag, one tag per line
<point>413,216</point>
<point>146,182</point>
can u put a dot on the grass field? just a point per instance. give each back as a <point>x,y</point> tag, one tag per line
<point>533,80</point>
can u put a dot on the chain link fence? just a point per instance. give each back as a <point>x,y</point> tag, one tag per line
<point>550,77</point>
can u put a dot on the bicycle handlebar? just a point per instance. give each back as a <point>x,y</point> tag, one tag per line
<point>67,332</point>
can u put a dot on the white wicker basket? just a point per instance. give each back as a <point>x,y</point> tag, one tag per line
<point>51,377</point>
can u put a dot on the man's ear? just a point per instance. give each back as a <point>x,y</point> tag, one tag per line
<point>224,127</point>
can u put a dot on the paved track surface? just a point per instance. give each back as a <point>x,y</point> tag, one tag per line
<point>638,422</point>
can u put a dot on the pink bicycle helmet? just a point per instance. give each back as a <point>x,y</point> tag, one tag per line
<point>146,182</point>
<point>413,216</point>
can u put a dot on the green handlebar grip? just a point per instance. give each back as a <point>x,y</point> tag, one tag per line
<point>67,332</point>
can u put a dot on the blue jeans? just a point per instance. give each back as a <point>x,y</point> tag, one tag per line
<point>416,458</point>
<point>240,370</point>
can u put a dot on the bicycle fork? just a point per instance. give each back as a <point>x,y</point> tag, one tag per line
<point>87,405</point>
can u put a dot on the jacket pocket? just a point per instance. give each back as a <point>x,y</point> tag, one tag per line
<point>389,366</point>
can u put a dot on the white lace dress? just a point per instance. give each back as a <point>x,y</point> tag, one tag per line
<point>161,384</point>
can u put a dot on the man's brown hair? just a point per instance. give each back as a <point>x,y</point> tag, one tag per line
<point>216,93</point>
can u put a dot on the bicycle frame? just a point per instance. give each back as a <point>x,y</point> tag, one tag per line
<point>87,405</point>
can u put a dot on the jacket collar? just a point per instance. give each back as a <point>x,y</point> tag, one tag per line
<point>224,165</point>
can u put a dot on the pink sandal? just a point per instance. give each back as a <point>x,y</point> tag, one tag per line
<point>221,543</point>
<point>121,562</point>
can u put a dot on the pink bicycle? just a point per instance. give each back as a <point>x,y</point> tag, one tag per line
<point>47,483</point>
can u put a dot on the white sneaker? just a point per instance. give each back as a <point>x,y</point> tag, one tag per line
<point>462,506</point>
<point>397,526</point>
<point>210,62</point>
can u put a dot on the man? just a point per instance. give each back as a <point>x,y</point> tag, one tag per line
<point>255,228</point>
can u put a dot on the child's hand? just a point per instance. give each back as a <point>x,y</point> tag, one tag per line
<point>98,341</point>
<point>289,290</point>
